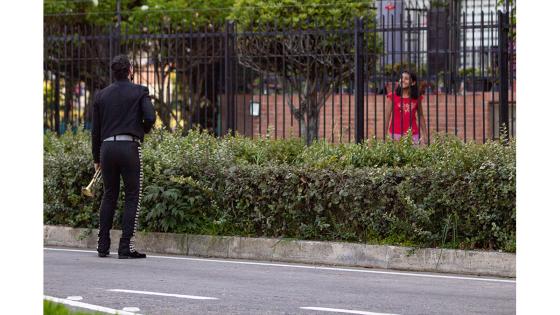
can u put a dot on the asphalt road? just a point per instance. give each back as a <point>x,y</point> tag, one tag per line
<point>189,285</point>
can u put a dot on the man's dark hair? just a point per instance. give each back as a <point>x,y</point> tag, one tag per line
<point>120,67</point>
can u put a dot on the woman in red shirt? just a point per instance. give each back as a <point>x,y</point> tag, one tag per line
<point>407,102</point>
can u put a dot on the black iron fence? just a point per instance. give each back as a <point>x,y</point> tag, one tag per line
<point>304,82</point>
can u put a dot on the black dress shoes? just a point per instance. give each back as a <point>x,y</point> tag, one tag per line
<point>103,254</point>
<point>131,255</point>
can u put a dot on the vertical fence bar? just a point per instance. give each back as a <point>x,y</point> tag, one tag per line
<point>52,78</point>
<point>45,82</point>
<point>373,34</point>
<point>227,80</point>
<point>191,96</point>
<point>169,63</point>
<point>483,75</point>
<point>135,52</point>
<point>366,77</point>
<point>276,83</point>
<point>118,35</point>
<point>454,46</point>
<point>176,75</point>
<point>249,86</point>
<point>202,105</point>
<point>383,78</point>
<point>87,68</point>
<point>511,73</point>
<point>59,60</point>
<point>79,75</point>
<point>266,92</point>
<point>341,92</point>
<point>476,77</point>
<point>70,87</point>
<point>261,84</point>
<point>493,52</point>
<point>182,70</point>
<point>284,83</point>
<point>410,68</point>
<point>332,110</point>
<point>503,64</point>
<point>401,62</point>
<point>209,81</point>
<point>324,105</point>
<point>349,26</point>
<point>234,75</point>
<point>472,74</point>
<point>392,33</point>
<point>65,74</point>
<point>358,80</point>
<point>437,76</point>
<point>110,56</point>
<point>429,89</point>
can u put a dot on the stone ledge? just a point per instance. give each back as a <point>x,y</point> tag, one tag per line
<point>312,252</point>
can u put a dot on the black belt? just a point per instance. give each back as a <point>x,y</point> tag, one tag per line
<point>122,138</point>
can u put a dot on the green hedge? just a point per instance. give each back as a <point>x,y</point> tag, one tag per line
<point>447,194</point>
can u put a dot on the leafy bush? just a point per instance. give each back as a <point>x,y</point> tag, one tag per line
<point>447,194</point>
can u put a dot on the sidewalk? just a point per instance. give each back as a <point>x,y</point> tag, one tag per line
<point>312,252</point>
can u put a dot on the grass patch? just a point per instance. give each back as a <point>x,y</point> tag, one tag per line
<point>53,308</point>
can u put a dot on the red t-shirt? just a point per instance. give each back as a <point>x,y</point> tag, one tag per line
<point>404,113</point>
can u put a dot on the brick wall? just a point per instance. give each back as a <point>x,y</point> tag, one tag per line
<point>472,116</point>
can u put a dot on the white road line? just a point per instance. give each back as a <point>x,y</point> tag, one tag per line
<point>75,298</point>
<point>310,267</point>
<point>193,297</point>
<point>338,310</point>
<point>87,306</point>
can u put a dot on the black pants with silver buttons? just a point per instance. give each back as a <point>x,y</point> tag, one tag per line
<point>120,159</point>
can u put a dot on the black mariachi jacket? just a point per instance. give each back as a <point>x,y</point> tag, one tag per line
<point>121,108</point>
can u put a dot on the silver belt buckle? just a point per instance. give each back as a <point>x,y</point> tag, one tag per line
<point>122,138</point>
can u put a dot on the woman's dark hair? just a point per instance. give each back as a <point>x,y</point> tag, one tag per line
<point>414,91</point>
<point>120,66</point>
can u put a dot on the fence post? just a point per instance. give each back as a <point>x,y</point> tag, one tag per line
<point>57,103</point>
<point>118,37</point>
<point>359,80</point>
<point>503,64</point>
<point>110,27</point>
<point>230,122</point>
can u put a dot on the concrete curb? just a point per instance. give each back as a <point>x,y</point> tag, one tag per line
<point>328,253</point>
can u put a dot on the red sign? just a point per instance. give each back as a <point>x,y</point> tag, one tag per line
<point>390,7</point>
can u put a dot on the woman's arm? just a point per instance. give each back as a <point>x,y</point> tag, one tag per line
<point>388,116</point>
<point>422,121</point>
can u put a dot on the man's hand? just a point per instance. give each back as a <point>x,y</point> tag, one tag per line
<point>97,166</point>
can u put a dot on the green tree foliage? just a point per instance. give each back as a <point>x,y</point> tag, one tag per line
<point>72,20</point>
<point>198,15</point>
<point>290,14</point>
<point>194,74</point>
<point>513,13</point>
<point>304,58</point>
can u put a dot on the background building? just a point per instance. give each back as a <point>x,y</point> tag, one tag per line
<point>432,29</point>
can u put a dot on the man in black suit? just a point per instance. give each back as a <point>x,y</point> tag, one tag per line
<point>122,114</point>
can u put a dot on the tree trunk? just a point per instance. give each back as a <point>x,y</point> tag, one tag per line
<point>312,132</point>
<point>68,103</point>
<point>312,117</point>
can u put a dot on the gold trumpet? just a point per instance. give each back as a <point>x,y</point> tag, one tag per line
<point>88,191</point>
